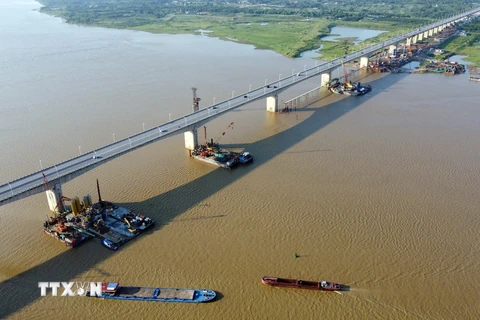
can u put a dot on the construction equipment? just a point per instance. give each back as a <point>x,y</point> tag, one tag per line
<point>206,140</point>
<point>345,80</point>
<point>130,228</point>
<point>196,100</point>
<point>217,139</point>
<point>45,181</point>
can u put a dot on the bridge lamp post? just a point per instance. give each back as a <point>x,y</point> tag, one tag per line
<point>233,94</point>
<point>250,88</point>
<point>80,150</point>
<point>214,100</point>
<point>304,67</point>
<point>169,117</point>
<point>144,126</point>
<point>114,137</point>
<point>41,168</point>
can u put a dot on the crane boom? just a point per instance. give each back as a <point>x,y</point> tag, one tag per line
<point>224,132</point>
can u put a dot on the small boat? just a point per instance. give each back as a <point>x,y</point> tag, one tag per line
<point>475,79</point>
<point>113,290</point>
<point>245,157</point>
<point>301,284</point>
<point>109,244</point>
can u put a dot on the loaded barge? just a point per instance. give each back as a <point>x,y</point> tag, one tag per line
<point>114,291</point>
<point>113,224</point>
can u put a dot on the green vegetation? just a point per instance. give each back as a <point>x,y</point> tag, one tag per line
<point>288,27</point>
<point>286,36</point>
<point>464,45</point>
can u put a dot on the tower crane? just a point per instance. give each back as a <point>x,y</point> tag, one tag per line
<point>196,100</point>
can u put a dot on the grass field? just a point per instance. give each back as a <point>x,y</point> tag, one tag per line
<point>288,35</point>
<point>466,46</point>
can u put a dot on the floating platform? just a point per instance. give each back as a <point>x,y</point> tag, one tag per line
<point>105,220</point>
<point>211,153</point>
<point>68,235</point>
<point>114,291</point>
<point>228,164</point>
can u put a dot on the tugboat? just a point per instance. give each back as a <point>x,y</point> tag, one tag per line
<point>245,157</point>
<point>301,284</point>
<point>113,290</point>
<point>109,244</point>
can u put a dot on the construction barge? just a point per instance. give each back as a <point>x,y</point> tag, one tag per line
<point>211,153</point>
<point>113,224</point>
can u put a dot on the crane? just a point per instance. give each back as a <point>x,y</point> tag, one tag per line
<point>196,106</point>
<point>45,181</point>
<point>223,133</point>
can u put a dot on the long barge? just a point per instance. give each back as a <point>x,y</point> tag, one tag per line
<point>113,290</point>
<point>301,284</point>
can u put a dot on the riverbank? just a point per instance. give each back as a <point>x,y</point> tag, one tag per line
<point>287,34</point>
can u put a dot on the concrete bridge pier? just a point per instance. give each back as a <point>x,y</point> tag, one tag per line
<point>392,49</point>
<point>435,30</point>
<point>420,37</point>
<point>272,103</point>
<point>191,139</point>
<point>363,62</point>
<point>430,32</point>
<point>54,198</point>
<point>425,34</point>
<point>325,79</point>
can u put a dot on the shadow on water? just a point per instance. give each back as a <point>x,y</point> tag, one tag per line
<point>21,290</point>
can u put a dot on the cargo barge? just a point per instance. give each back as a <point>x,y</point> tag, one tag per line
<point>301,284</point>
<point>113,290</point>
<point>113,224</point>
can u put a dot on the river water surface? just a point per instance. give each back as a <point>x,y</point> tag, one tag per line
<point>378,192</point>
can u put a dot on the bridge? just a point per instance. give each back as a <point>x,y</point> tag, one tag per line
<point>188,124</point>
